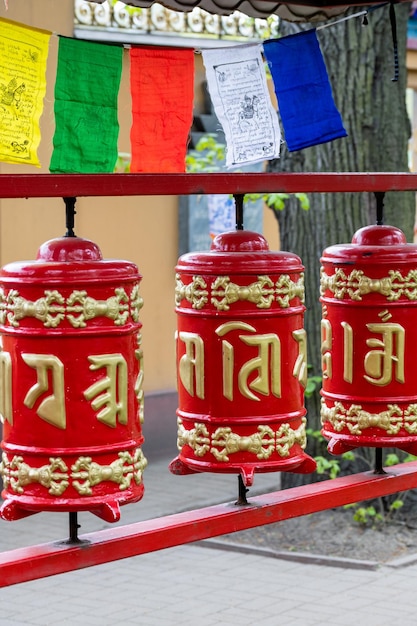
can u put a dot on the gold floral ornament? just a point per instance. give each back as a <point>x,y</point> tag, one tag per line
<point>224,442</point>
<point>115,308</point>
<point>225,293</point>
<point>355,419</point>
<point>286,437</point>
<point>17,474</point>
<point>50,309</point>
<point>356,285</point>
<point>195,292</point>
<point>197,438</point>
<point>287,290</point>
<point>262,443</point>
<point>122,471</point>
<point>222,293</point>
<point>56,477</point>
<point>136,303</point>
<point>78,308</point>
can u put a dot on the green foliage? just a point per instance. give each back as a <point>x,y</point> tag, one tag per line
<point>331,467</point>
<point>367,516</point>
<point>313,385</point>
<point>209,156</point>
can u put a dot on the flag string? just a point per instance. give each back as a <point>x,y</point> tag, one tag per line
<point>350,17</point>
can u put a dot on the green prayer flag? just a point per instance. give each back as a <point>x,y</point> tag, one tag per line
<point>86,91</point>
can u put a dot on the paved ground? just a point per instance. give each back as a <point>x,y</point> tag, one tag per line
<point>194,585</point>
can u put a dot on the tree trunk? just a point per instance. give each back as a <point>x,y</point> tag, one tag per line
<point>360,64</point>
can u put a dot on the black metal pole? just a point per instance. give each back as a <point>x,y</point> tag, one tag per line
<point>239,210</point>
<point>242,500</point>
<point>378,462</point>
<point>73,527</point>
<point>70,216</point>
<point>379,196</point>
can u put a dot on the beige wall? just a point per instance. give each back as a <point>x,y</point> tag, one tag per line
<point>140,229</point>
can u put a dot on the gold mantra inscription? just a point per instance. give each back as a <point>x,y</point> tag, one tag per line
<point>78,308</point>
<point>84,475</point>
<point>356,420</point>
<point>380,364</point>
<point>108,395</point>
<point>267,363</point>
<point>222,293</point>
<point>224,442</point>
<point>356,285</point>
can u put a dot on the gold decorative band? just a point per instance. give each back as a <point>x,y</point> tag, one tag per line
<point>78,308</point>
<point>222,292</point>
<point>356,285</point>
<point>224,441</point>
<point>356,420</point>
<point>84,474</point>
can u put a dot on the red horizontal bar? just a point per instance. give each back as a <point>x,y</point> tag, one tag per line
<point>67,185</point>
<point>121,542</point>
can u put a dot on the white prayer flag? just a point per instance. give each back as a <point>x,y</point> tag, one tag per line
<point>237,85</point>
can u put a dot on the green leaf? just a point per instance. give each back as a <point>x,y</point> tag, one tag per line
<point>303,200</point>
<point>391,459</point>
<point>397,504</point>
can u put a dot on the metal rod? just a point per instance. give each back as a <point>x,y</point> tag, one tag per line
<point>70,213</point>
<point>73,527</point>
<point>242,499</point>
<point>97,185</point>
<point>378,462</point>
<point>379,196</point>
<point>119,542</point>
<point>393,22</point>
<point>239,210</point>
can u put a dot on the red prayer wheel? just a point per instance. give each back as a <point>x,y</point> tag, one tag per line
<point>369,338</point>
<point>241,359</point>
<point>71,382</point>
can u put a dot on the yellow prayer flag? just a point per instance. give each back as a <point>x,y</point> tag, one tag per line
<point>23,55</point>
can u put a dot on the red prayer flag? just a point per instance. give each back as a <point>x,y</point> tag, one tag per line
<point>162,87</point>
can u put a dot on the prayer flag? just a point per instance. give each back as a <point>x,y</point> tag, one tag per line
<point>23,56</point>
<point>239,92</point>
<point>308,113</point>
<point>221,212</point>
<point>86,91</point>
<point>162,88</point>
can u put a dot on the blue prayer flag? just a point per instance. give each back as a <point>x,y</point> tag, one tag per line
<point>308,113</point>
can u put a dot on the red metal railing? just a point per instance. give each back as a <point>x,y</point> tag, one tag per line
<point>66,185</point>
<point>121,542</point>
<point>35,562</point>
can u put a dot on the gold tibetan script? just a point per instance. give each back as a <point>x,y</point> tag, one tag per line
<point>191,364</point>
<point>51,408</point>
<point>6,406</point>
<point>266,365</point>
<point>380,363</point>
<point>383,362</point>
<point>109,393</point>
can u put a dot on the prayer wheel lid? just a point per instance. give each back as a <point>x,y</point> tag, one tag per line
<point>379,236</point>
<point>69,249</point>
